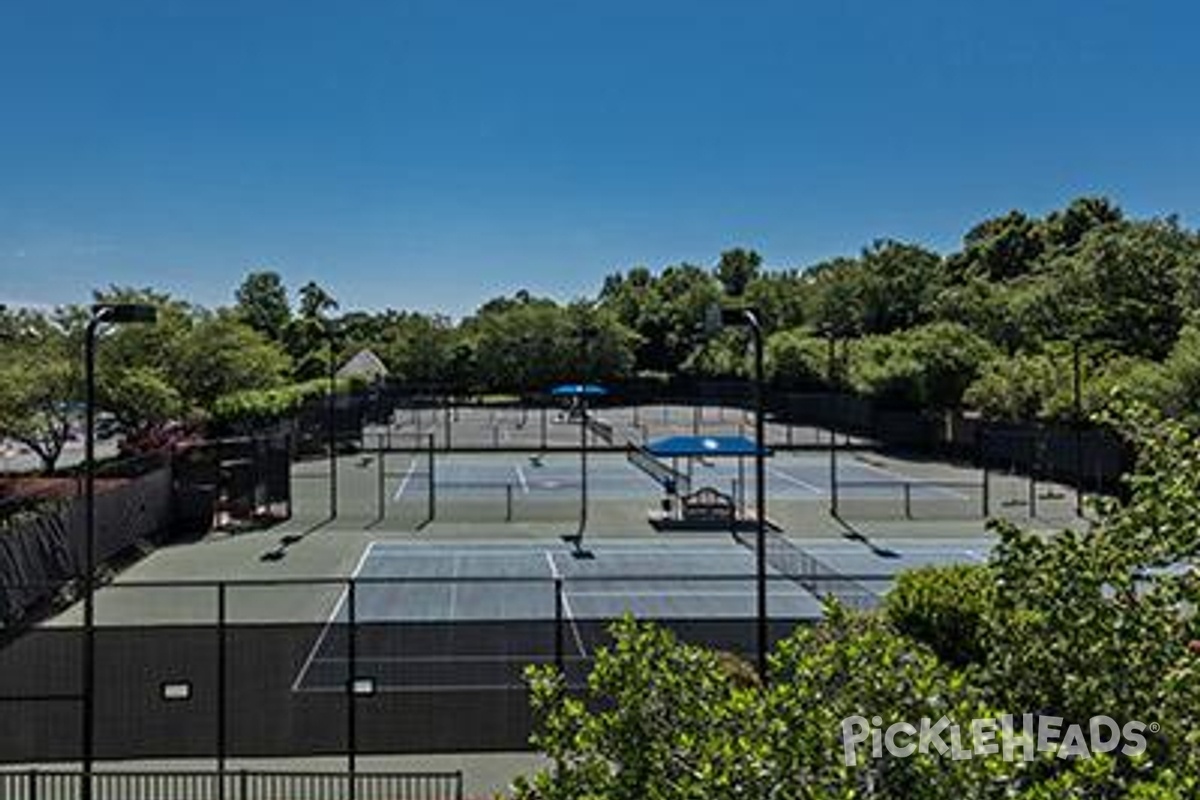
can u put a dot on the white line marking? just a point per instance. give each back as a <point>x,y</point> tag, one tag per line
<point>425,688</point>
<point>454,585</point>
<point>521,478</point>
<point>566,603</point>
<point>412,468</point>
<point>474,658</point>
<point>778,473</point>
<point>684,593</point>
<point>917,483</point>
<point>337,609</point>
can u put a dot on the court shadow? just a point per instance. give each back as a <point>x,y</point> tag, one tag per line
<point>855,535</point>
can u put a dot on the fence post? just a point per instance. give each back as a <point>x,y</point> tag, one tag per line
<point>907,500</point>
<point>32,777</point>
<point>222,689</point>
<point>545,436</point>
<point>243,784</point>
<point>508,502</point>
<point>352,688</point>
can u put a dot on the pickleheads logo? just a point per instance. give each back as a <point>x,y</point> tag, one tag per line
<point>992,737</point>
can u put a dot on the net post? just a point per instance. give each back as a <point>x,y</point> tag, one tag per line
<point>833,471</point>
<point>432,482</point>
<point>380,485</point>
<point>1033,471</point>
<point>987,481</point>
<point>31,776</point>
<point>558,625</point>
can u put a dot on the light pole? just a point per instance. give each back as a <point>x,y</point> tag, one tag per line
<point>115,314</point>
<point>746,317</point>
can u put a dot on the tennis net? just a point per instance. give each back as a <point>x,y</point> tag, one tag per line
<point>601,429</point>
<point>663,474</point>
<point>811,573</point>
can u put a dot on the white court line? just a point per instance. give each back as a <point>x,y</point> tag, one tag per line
<point>454,585</point>
<point>426,688</point>
<point>684,593</point>
<point>501,551</point>
<point>778,473</point>
<point>337,609</point>
<point>412,468</point>
<point>566,601</point>
<point>500,658</point>
<point>918,482</point>
<point>521,478</point>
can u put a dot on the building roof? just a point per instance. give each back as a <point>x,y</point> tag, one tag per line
<point>364,364</point>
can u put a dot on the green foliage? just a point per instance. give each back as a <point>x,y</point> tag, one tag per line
<point>37,383</point>
<point>944,607</point>
<point>1013,388</point>
<point>140,397</point>
<point>262,302</point>
<point>220,355</point>
<point>736,269</point>
<point>797,360</point>
<point>1076,625</point>
<point>930,366</point>
<point>250,408</point>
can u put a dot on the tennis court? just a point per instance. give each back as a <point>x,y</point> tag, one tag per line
<point>410,489</point>
<point>435,618</point>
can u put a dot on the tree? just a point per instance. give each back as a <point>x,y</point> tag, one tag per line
<point>262,302</point>
<point>796,360</point>
<point>221,355</point>
<point>40,385</point>
<point>1085,623</point>
<point>315,302</point>
<point>736,269</point>
<point>999,249</point>
<point>930,366</point>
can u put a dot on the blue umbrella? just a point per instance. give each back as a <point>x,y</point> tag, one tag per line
<point>578,390</point>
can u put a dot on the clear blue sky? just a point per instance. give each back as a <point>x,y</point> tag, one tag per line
<point>431,154</point>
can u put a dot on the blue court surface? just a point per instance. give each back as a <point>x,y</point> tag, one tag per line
<point>436,618</point>
<point>789,476</point>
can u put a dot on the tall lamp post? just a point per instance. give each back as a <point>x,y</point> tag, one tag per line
<point>102,314</point>
<point>745,317</point>
<point>579,393</point>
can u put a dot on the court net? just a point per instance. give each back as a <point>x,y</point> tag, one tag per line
<point>662,473</point>
<point>806,570</point>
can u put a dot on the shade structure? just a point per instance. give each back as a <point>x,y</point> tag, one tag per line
<point>706,446</point>
<point>578,390</point>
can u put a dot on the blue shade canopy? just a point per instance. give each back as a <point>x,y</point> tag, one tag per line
<point>711,446</point>
<point>578,390</point>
